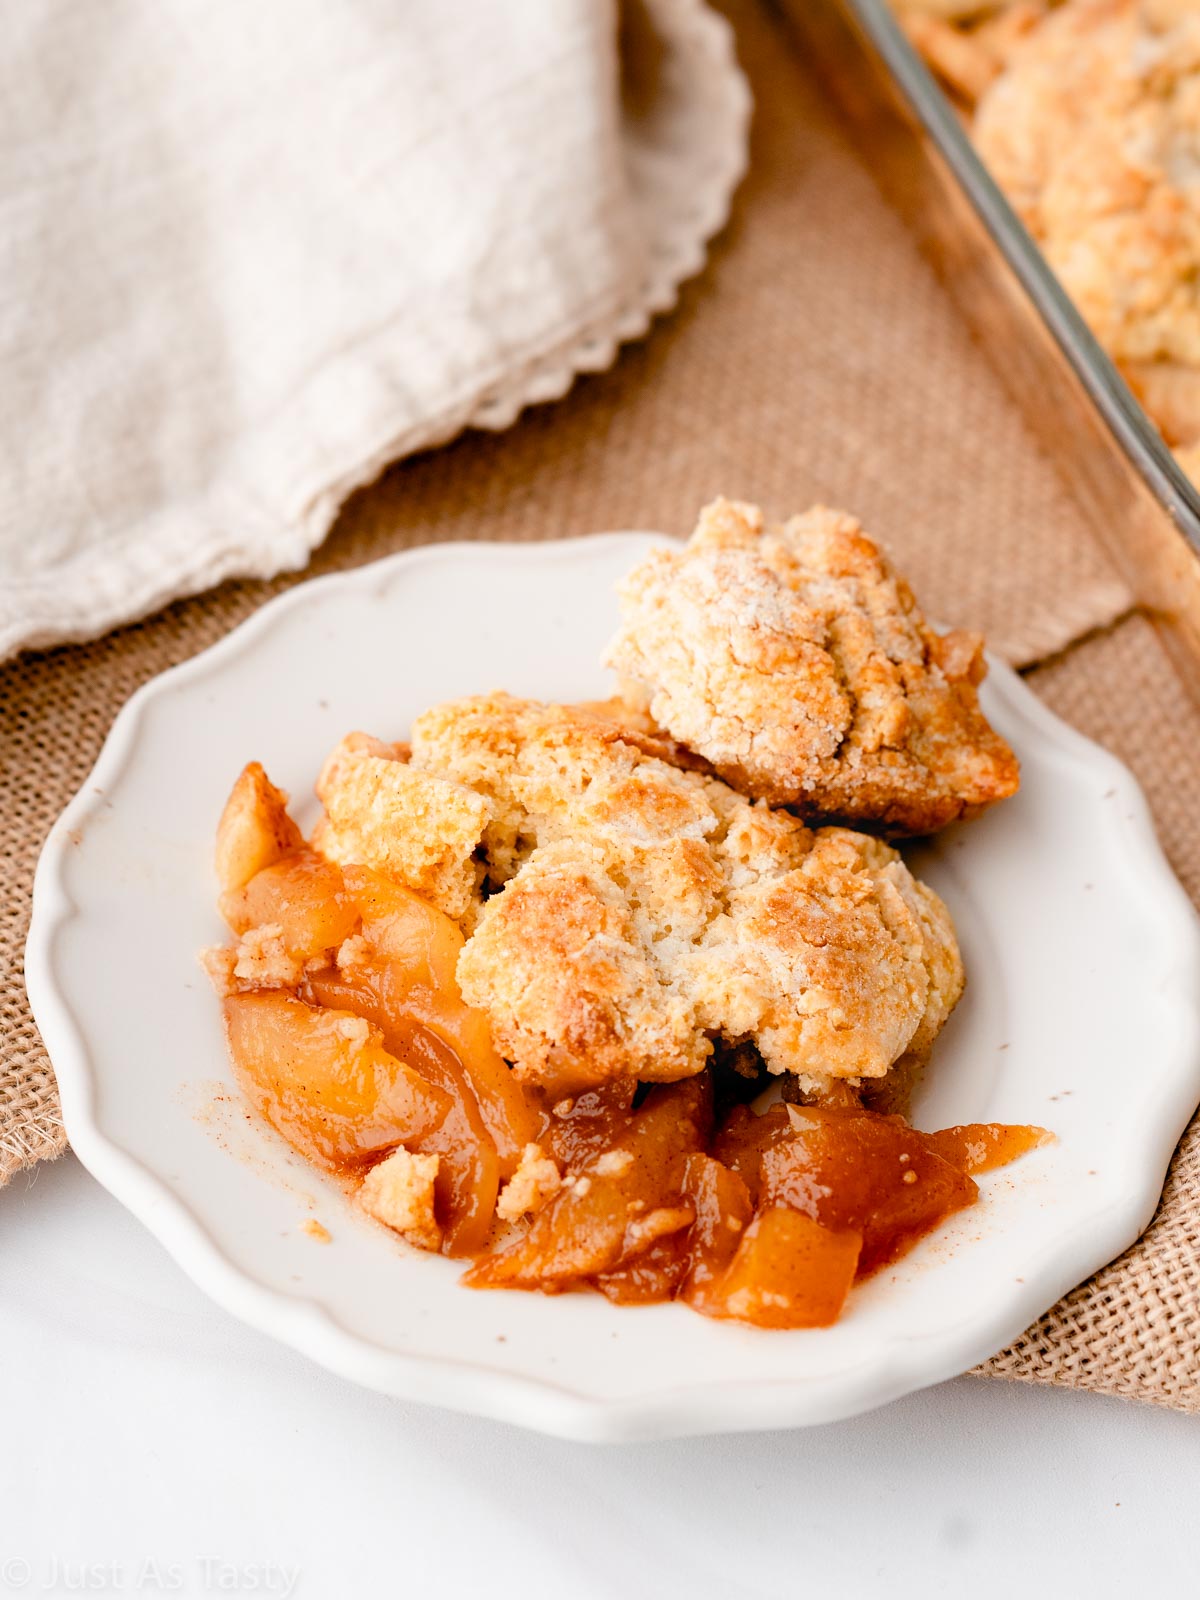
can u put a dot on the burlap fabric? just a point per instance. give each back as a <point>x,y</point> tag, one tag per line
<point>816,359</point>
<point>1134,1329</point>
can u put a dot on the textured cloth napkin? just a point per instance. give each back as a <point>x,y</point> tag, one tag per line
<point>251,253</point>
<point>791,373</point>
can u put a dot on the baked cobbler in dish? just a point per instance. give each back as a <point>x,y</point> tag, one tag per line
<point>1087,114</point>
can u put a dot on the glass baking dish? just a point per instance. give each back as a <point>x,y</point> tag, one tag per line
<point>1142,505</point>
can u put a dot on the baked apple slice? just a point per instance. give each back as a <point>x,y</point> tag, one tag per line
<point>853,1171</point>
<point>421,945</point>
<point>468,1177</point>
<point>983,1146</point>
<point>304,896</point>
<point>687,1263</point>
<point>723,1210</point>
<point>324,1080</point>
<point>653,1276</point>
<point>254,829</point>
<point>627,1199</point>
<point>788,1272</point>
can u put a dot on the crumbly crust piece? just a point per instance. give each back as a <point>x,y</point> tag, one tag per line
<point>646,909</point>
<point>218,961</point>
<point>536,1181</point>
<point>263,961</point>
<point>400,1192</point>
<point>419,828</point>
<point>258,960</point>
<point>796,661</point>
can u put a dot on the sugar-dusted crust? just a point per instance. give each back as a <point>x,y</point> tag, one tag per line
<point>567,971</point>
<point>796,661</point>
<point>835,967</point>
<point>1092,131</point>
<point>645,909</point>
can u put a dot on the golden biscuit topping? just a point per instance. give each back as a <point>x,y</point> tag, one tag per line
<point>796,661</point>
<point>644,910</point>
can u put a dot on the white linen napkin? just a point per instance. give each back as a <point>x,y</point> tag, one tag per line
<point>251,253</point>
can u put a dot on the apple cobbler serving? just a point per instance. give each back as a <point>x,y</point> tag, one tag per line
<point>612,995</point>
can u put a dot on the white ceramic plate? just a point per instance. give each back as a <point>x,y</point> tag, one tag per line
<point>1081,1014</point>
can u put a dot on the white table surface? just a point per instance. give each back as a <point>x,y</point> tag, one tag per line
<point>153,1445</point>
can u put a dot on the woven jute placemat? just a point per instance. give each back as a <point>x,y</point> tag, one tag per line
<point>817,359</point>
